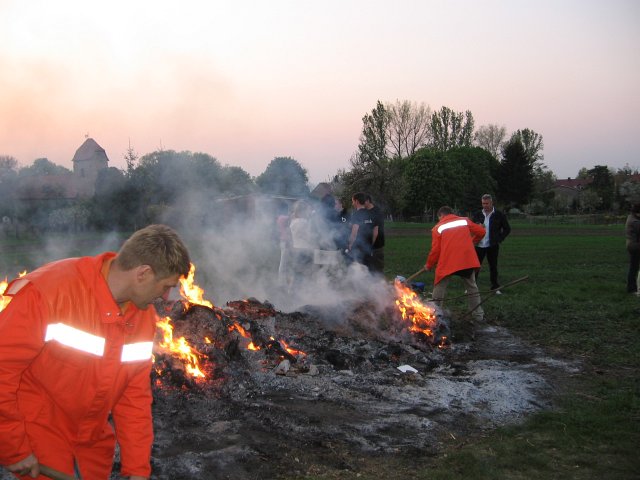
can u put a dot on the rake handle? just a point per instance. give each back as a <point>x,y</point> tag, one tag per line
<point>415,275</point>
<point>54,474</point>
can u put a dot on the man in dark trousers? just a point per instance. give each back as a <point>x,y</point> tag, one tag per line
<point>360,244</point>
<point>497,226</point>
<point>377,255</point>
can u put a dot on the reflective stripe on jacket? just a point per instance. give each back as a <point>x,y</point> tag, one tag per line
<point>70,358</point>
<point>452,241</point>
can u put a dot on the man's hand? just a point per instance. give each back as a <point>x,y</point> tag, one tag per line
<point>28,466</point>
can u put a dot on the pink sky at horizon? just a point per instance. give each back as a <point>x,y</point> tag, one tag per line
<point>251,81</point>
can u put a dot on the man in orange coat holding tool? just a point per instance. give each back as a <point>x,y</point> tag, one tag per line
<point>75,358</point>
<point>452,250</point>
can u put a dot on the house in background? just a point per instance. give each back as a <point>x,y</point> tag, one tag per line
<point>566,191</point>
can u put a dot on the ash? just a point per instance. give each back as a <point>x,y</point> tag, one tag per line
<point>346,396</point>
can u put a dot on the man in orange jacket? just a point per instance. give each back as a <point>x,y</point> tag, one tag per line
<point>75,359</point>
<point>453,253</point>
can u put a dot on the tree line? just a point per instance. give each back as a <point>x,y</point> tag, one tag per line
<point>414,160</point>
<point>409,158</point>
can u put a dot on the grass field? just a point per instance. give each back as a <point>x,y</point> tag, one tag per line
<point>574,304</point>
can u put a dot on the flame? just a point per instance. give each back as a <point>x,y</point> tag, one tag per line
<point>4,300</point>
<point>422,317</point>
<point>291,351</point>
<point>191,292</point>
<point>243,332</point>
<point>180,348</point>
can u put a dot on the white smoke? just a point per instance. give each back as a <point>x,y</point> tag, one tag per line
<point>237,257</point>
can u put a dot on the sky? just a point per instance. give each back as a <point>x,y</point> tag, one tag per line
<point>248,81</point>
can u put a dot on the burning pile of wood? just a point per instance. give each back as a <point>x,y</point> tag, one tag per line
<point>198,341</point>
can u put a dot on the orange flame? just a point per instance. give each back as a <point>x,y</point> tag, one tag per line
<point>290,350</point>
<point>4,300</point>
<point>181,349</point>
<point>191,292</point>
<point>422,317</point>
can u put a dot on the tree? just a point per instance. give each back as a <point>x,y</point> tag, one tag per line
<point>428,178</point>
<point>112,204</point>
<point>533,145</point>
<point>284,176</point>
<point>235,181</point>
<point>181,180</point>
<point>515,175</point>
<point>475,167</point>
<point>131,157</point>
<point>371,166</point>
<point>543,182</point>
<point>7,163</point>
<point>589,200</point>
<point>43,166</point>
<point>603,185</point>
<point>583,173</point>
<point>8,174</point>
<point>451,129</point>
<point>490,137</point>
<point>408,128</point>
<point>630,192</point>
<point>374,137</point>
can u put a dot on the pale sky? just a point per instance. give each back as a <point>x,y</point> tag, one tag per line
<point>247,81</point>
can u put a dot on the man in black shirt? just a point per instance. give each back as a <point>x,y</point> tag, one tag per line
<point>361,238</point>
<point>377,255</point>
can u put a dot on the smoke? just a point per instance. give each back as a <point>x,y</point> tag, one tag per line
<point>234,244</point>
<point>51,248</point>
<point>235,248</point>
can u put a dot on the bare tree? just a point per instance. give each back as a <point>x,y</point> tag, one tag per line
<point>7,163</point>
<point>408,127</point>
<point>491,138</point>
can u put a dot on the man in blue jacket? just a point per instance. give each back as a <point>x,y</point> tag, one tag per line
<point>497,226</point>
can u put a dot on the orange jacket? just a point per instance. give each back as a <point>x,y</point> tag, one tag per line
<point>452,241</point>
<point>69,358</point>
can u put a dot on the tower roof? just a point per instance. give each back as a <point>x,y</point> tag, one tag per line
<point>89,150</point>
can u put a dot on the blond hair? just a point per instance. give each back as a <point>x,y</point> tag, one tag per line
<point>158,246</point>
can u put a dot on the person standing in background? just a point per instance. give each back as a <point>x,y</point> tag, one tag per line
<point>341,225</point>
<point>303,241</point>
<point>632,231</point>
<point>376,263</point>
<point>497,227</point>
<point>360,244</point>
<point>284,235</point>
